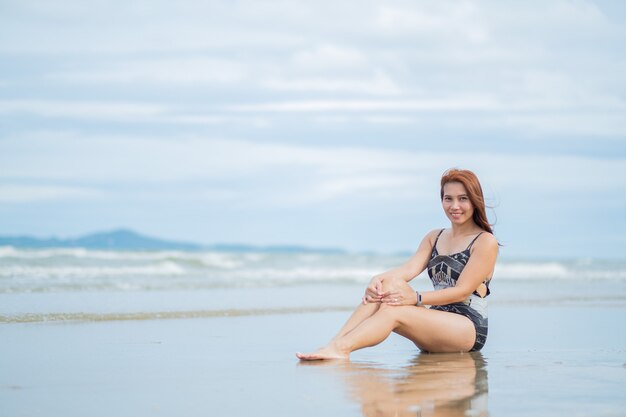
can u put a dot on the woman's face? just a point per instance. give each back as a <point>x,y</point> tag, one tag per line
<point>456,203</point>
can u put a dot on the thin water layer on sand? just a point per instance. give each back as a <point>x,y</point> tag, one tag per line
<point>92,305</point>
<point>534,363</point>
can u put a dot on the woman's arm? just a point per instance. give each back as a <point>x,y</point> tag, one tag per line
<point>416,263</point>
<point>407,271</point>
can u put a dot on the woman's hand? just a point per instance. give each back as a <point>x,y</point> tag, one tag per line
<point>374,291</point>
<point>401,296</point>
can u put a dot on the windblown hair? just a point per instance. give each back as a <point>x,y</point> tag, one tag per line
<point>474,192</point>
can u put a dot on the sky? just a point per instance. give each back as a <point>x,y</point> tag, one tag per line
<point>325,124</point>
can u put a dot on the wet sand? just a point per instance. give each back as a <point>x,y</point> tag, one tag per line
<point>539,360</point>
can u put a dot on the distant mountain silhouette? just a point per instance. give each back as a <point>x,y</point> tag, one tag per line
<point>116,239</point>
<point>125,239</point>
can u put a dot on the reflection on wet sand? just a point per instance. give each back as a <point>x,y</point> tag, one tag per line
<point>442,385</point>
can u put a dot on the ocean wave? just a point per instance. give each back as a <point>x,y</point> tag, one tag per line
<point>206,258</point>
<point>572,270</point>
<point>308,274</point>
<point>17,271</point>
<point>167,277</point>
<point>63,269</point>
<point>535,270</point>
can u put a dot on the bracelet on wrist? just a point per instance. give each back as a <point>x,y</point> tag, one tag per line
<point>419,299</point>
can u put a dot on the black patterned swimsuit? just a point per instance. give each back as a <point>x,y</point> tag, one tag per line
<point>444,271</point>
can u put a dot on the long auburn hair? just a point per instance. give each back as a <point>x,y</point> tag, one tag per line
<point>474,192</point>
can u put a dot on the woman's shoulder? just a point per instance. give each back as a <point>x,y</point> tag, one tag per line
<point>432,235</point>
<point>486,241</point>
<point>435,232</point>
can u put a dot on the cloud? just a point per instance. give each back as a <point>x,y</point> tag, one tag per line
<point>13,193</point>
<point>549,69</point>
<point>269,174</point>
<point>330,56</point>
<point>183,70</point>
<point>464,20</point>
<point>124,112</point>
<point>255,112</point>
<point>92,110</point>
<point>607,124</point>
<point>379,84</point>
<point>453,104</point>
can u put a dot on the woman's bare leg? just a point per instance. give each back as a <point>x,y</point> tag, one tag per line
<point>360,314</point>
<point>431,330</point>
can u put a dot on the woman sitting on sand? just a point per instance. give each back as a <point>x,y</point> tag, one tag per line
<point>460,262</point>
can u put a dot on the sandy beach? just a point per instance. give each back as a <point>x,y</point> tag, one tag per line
<point>215,334</point>
<point>539,360</point>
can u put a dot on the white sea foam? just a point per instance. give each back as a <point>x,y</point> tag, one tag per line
<point>163,268</point>
<point>586,270</point>
<point>64,269</point>
<point>299,275</point>
<point>7,251</point>
<point>205,258</point>
<point>535,270</point>
<point>11,252</point>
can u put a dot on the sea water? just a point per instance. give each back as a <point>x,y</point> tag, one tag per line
<point>59,284</point>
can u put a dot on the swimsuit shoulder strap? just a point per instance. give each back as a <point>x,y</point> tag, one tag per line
<point>474,240</point>
<point>437,239</point>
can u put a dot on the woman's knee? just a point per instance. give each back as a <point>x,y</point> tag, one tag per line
<point>393,284</point>
<point>385,310</point>
<point>391,313</point>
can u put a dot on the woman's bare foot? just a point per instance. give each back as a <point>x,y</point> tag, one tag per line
<point>329,352</point>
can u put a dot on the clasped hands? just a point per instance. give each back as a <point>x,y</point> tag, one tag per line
<point>394,294</point>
